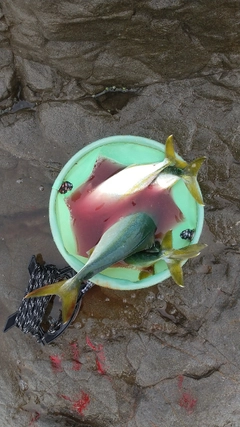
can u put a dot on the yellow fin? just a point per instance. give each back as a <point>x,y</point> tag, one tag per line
<point>187,252</point>
<point>167,241</point>
<point>46,290</point>
<point>173,263</point>
<point>144,274</point>
<point>90,251</point>
<point>175,269</point>
<point>190,178</point>
<point>68,296</point>
<point>175,257</point>
<point>189,170</point>
<point>171,155</point>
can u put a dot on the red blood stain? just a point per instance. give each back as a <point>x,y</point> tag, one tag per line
<point>92,346</point>
<point>180,381</point>
<point>102,211</point>
<point>75,356</point>
<point>100,367</point>
<point>76,365</point>
<point>186,400</point>
<point>65,397</point>
<point>100,356</point>
<point>100,361</point>
<point>56,363</point>
<point>79,404</point>
<point>34,417</point>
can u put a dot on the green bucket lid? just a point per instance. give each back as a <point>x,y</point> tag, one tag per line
<point>127,150</point>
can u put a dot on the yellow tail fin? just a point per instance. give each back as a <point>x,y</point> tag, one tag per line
<point>174,258</point>
<point>175,269</point>
<point>190,178</point>
<point>171,155</point>
<point>189,170</point>
<point>62,289</point>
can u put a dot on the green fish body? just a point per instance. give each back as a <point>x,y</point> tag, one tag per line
<point>128,235</point>
<point>174,258</point>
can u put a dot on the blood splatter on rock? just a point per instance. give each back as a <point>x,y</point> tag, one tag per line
<point>34,417</point>
<point>79,404</point>
<point>100,356</point>
<point>186,401</point>
<point>56,363</point>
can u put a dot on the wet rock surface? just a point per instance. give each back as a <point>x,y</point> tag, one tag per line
<point>71,74</point>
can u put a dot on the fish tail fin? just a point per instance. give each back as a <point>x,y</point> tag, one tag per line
<point>190,178</point>
<point>176,272</point>
<point>171,155</point>
<point>174,265</point>
<point>174,258</point>
<point>189,170</point>
<point>190,251</point>
<point>68,296</point>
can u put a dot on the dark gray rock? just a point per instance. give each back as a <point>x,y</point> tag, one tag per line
<point>106,44</point>
<point>6,57</point>
<point>6,74</point>
<point>71,74</point>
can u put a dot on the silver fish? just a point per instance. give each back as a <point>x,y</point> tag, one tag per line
<point>164,174</point>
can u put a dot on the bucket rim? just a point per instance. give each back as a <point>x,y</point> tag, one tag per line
<point>101,279</point>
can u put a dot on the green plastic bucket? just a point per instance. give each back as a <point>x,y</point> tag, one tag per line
<point>127,150</point>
